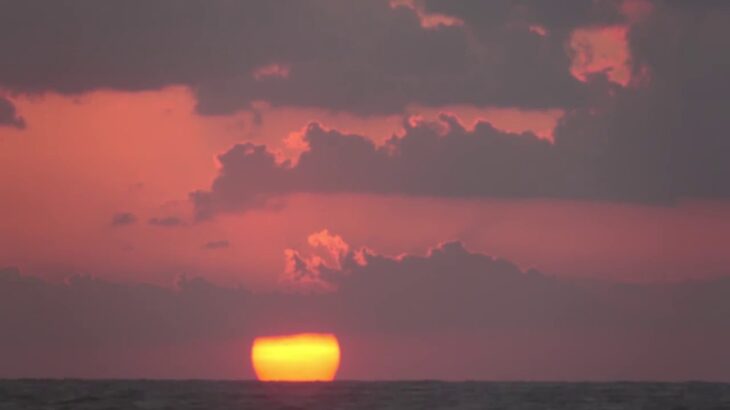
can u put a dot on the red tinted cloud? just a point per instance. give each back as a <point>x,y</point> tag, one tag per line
<point>601,50</point>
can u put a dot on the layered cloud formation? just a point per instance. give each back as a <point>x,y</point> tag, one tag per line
<point>443,159</point>
<point>365,57</point>
<point>659,137</point>
<point>450,290</point>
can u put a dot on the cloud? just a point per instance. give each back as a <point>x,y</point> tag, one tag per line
<point>123,219</point>
<point>166,222</point>
<point>85,311</point>
<point>222,244</point>
<point>669,132</point>
<point>9,115</point>
<point>312,272</point>
<point>448,291</point>
<point>592,158</point>
<point>313,54</point>
<point>660,139</point>
<point>425,161</point>
<point>486,15</point>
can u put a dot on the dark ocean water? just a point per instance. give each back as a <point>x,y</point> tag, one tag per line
<point>181,395</point>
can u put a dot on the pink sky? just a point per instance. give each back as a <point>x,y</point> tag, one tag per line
<point>578,146</point>
<point>149,150</point>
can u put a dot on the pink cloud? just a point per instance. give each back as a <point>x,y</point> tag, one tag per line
<point>601,50</point>
<point>428,20</point>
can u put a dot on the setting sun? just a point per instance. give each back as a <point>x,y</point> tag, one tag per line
<point>299,357</point>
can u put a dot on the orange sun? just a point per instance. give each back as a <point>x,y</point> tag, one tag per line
<point>299,357</point>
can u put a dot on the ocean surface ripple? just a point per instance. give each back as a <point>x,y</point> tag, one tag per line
<point>211,395</point>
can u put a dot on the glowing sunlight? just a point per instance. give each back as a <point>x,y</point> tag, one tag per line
<point>299,357</point>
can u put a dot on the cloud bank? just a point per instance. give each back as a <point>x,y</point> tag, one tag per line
<point>364,57</point>
<point>448,291</point>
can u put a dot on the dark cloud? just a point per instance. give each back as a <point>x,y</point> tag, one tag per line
<point>661,139</point>
<point>137,45</point>
<point>84,311</point>
<point>483,16</point>
<point>166,222</point>
<point>123,219</point>
<point>9,116</point>
<point>222,244</point>
<point>449,291</point>
<point>431,159</point>
<point>443,159</point>
<point>363,57</point>
<point>452,287</point>
<point>669,135</point>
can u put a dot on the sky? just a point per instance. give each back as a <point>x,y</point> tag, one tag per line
<point>502,190</point>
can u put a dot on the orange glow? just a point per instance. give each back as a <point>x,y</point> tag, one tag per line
<point>601,49</point>
<point>299,357</point>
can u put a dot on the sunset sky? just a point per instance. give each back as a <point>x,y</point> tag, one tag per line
<point>503,189</point>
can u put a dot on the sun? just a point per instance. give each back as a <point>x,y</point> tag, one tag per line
<point>298,357</point>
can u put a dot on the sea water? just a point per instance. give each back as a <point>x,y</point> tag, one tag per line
<point>210,395</point>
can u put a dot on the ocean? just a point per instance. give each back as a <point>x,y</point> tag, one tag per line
<point>211,395</point>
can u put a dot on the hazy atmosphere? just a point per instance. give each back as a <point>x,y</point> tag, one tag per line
<point>482,190</point>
